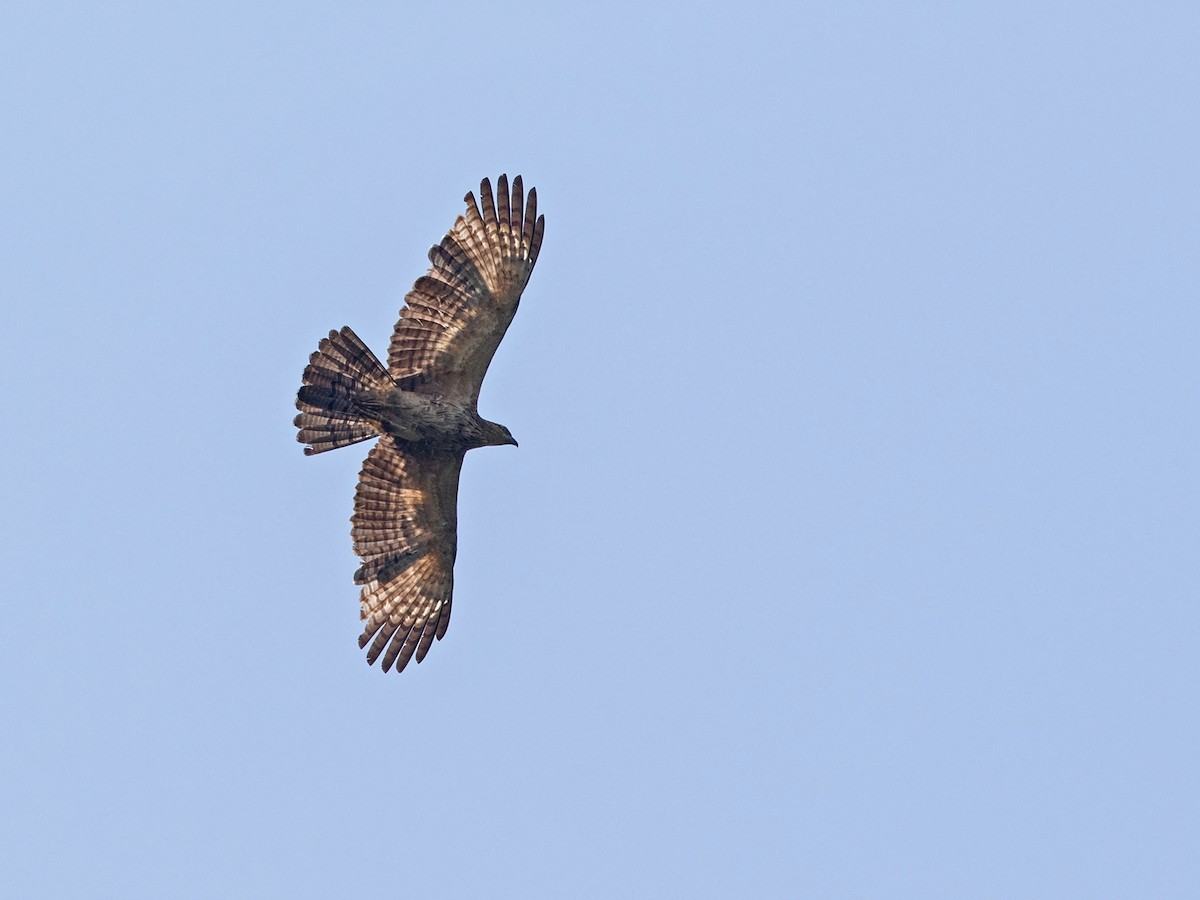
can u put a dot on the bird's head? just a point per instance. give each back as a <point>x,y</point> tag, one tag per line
<point>499,436</point>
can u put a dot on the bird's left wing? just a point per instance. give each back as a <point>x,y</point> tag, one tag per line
<point>456,314</point>
<point>405,530</point>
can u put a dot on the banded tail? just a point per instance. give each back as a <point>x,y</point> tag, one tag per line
<point>339,374</point>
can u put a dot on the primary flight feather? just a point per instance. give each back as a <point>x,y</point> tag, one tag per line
<point>423,409</point>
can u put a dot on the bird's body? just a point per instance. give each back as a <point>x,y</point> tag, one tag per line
<point>421,422</point>
<point>422,406</point>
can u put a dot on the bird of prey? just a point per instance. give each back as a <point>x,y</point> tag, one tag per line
<point>422,407</point>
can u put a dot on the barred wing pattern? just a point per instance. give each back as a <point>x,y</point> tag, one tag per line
<point>405,530</point>
<point>456,315</point>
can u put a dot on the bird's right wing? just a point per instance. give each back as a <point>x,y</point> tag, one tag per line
<point>456,314</point>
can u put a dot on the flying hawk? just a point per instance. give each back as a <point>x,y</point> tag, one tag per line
<point>423,409</point>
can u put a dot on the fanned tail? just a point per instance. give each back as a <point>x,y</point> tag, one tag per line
<point>341,373</point>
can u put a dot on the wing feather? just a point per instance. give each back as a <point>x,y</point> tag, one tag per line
<point>405,531</point>
<point>456,314</point>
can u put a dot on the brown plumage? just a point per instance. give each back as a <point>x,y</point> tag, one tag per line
<point>423,405</point>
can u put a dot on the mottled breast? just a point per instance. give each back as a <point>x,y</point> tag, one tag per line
<point>431,422</point>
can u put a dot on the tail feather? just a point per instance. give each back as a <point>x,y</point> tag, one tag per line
<point>339,374</point>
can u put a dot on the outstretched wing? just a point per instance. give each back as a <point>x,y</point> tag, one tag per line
<point>456,314</point>
<point>405,529</point>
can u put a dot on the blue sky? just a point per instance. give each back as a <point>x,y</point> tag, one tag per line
<point>850,548</point>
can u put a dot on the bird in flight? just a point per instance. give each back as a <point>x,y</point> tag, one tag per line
<point>422,407</point>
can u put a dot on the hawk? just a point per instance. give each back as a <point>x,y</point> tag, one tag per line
<point>422,407</point>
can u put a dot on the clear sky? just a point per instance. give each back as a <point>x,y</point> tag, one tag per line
<point>850,549</point>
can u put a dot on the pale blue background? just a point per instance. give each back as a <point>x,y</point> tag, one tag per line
<point>851,546</point>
